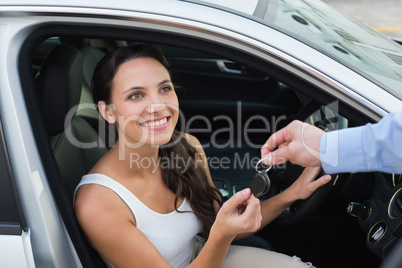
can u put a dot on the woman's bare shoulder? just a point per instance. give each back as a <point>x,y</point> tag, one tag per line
<point>98,205</point>
<point>93,198</point>
<point>109,224</point>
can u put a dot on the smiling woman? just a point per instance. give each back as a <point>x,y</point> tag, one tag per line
<point>164,200</point>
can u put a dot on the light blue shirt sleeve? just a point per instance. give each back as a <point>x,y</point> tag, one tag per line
<point>372,147</point>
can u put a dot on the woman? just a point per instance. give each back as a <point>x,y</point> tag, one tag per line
<point>145,201</point>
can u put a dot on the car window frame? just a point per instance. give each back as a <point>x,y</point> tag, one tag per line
<point>45,31</point>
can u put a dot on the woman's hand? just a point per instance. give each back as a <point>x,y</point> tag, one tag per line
<point>240,214</point>
<point>306,184</point>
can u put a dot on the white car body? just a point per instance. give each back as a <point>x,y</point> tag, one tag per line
<point>44,241</point>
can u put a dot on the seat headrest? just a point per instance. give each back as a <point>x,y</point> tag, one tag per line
<point>74,41</point>
<point>59,85</point>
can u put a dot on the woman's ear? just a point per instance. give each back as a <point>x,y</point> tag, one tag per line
<point>107,111</point>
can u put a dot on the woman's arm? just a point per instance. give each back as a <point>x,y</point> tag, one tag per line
<point>302,188</point>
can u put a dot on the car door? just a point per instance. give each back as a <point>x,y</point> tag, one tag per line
<point>15,236</point>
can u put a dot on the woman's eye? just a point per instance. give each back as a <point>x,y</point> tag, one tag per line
<point>135,96</point>
<point>165,89</point>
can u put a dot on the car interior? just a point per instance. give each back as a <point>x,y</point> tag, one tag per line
<point>221,92</point>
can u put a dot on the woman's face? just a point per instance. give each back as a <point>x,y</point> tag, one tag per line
<point>144,104</point>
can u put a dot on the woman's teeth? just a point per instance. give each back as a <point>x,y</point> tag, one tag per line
<point>154,123</point>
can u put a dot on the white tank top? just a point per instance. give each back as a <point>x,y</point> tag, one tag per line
<point>172,234</point>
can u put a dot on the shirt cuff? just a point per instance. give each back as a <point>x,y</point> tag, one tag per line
<point>341,151</point>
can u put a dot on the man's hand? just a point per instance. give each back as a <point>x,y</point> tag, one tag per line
<point>298,143</point>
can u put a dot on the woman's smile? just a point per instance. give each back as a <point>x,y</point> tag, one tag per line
<point>156,124</point>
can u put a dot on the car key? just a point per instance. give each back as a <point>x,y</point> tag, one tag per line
<point>260,184</point>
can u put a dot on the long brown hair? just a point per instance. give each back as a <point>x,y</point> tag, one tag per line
<point>185,178</point>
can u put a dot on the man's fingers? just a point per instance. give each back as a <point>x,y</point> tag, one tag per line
<point>279,156</point>
<point>274,141</point>
<point>265,151</point>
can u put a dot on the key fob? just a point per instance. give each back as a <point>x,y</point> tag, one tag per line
<point>260,184</point>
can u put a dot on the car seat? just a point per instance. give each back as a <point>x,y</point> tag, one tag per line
<point>75,143</point>
<point>58,85</point>
<point>90,57</point>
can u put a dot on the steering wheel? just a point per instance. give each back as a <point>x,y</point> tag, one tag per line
<point>301,209</point>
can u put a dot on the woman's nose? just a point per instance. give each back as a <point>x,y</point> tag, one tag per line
<point>156,107</point>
